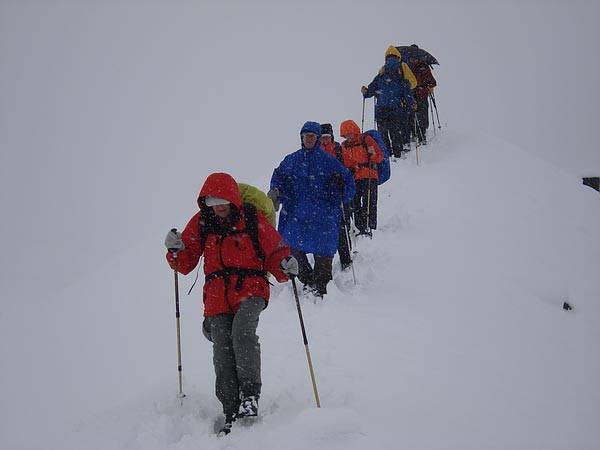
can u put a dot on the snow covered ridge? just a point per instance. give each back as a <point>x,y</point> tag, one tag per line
<point>453,338</point>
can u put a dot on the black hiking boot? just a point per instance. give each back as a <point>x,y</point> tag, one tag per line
<point>248,407</point>
<point>346,266</point>
<point>226,429</point>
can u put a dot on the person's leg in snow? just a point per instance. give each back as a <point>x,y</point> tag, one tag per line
<point>247,354</point>
<point>344,248</point>
<point>236,358</point>
<point>372,206</point>
<point>226,381</point>
<point>323,275</point>
<point>360,205</point>
<point>306,275</point>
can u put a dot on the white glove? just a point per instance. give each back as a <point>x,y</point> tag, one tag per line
<point>289,266</point>
<point>173,241</point>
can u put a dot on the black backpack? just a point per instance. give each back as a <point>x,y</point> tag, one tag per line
<point>208,224</point>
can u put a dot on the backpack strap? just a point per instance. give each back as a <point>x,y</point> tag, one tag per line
<point>252,228</point>
<point>371,165</point>
<point>208,225</point>
<point>338,153</point>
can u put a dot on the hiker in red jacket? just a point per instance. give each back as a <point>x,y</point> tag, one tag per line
<point>239,246</point>
<point>334,148</point>
<point>425,84</point>
<point>360,157</point>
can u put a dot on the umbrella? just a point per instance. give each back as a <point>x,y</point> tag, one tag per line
<point>412,51</point>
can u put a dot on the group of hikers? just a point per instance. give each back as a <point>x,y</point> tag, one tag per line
<point>317,190</point>
<point>402,89</point>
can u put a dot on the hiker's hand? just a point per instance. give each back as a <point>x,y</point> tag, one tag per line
<point>363,90</point>
<point>289,266</point>
<point>371,150</point>
<point>413,106</point>
<point>273,194</point>
<point>173,241</point>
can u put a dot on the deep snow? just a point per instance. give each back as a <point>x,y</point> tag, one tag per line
<point>454,336</point>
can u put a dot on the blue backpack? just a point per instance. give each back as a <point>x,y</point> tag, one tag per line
<point>383,168</point>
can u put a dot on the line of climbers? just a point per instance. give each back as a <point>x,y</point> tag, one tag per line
<point>402,89</point>
<point>319,188</point>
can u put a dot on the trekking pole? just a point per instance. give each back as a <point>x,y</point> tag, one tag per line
<point>436,110</point>
<point>177,315</point>
<point>374,117</point>
<point>310,367</point>
<point>417,130</point>
<point>362,122</point>
<point>348,242</point>
<point>431,115</point>
<point>369,195</point>
<point>421,132</point>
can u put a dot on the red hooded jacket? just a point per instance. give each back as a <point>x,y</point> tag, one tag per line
<point>425,78</point>
<point>231,264</point>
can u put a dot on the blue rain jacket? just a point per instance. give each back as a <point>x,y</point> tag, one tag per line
<point>393,94</point>
<point>311,202</point>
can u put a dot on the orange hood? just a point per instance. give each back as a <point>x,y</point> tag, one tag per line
<point>350,126</point>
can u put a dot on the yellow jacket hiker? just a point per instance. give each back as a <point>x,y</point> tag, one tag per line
<point>404,69</point>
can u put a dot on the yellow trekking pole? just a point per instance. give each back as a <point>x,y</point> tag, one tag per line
<point>310,367</point>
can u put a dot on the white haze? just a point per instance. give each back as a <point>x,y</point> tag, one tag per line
<point>113,114</point>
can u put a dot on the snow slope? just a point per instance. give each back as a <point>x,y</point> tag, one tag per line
<point>453,338</point>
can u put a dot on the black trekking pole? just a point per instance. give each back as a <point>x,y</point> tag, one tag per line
<point>348,243</point>
<point>177,315</point>
<point>310,367</point>
<point>417,127</point>
<point>374,117</point>
<point>431,115</point>
<point>436,110</point>
<point>421,132</point>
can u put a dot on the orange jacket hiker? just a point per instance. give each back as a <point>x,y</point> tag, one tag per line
<point>356,153</point>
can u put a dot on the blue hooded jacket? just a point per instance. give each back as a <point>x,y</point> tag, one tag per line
<point>392,91</point>
<point>311,201</point>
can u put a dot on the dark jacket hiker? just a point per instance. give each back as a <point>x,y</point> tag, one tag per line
<point>394,100</point>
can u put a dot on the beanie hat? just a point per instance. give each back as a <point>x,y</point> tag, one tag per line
<point>326,128</point>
